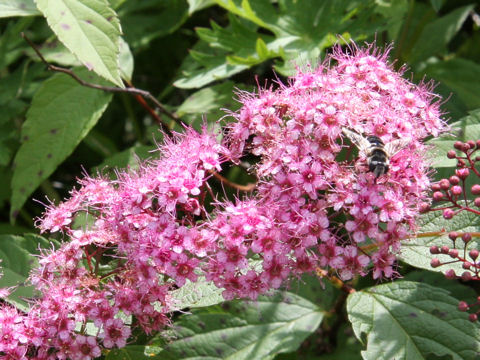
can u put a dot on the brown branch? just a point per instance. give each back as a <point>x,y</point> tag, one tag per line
<point>443,232</point>
<point>224,180</point>
<point>140,96</point>
<point>335,281</point>
<point>129,90</point>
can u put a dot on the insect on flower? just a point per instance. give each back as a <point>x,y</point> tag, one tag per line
<point>378,153</point>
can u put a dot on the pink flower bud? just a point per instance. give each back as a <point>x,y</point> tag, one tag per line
<point>462,173</point>
<point>473,317</point>
<point>476,189</point>
<point>473,254</point>
<point>437,196</point>
<point>444,184</point>
<point>453,253</point>
<point>466,237</point>
<point>451,154</point>
<point>456,190</point>
<point>450,274</point>
<point>434,250</point>
<point>454,180</point>
<point>458,145</point>
<point>467,276</point>
<point>448,214</point>
<point>462,306</point>
<point>435,263</point>
<point>453,235</point>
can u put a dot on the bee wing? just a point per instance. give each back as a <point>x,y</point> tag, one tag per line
<point>360,142</point>
<point>395,146</point>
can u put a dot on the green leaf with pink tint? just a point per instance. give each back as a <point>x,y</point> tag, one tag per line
<point>90,29</point>
<point>10,8</point>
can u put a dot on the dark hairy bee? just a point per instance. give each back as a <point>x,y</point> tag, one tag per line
<point>378,153</point>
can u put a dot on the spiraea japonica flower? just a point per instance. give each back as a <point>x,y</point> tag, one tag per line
<point>315,205</point>
<point>309,178</point>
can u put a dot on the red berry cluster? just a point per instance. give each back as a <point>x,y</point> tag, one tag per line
<point>454,192</point>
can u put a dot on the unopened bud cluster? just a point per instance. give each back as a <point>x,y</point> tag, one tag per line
<point>453,193</point>
<point>452,196</point>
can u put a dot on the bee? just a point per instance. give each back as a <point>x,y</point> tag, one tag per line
<point>378,153</point>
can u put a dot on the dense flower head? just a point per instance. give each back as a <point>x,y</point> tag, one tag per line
<point>307,169</point>
<point>316,205</point>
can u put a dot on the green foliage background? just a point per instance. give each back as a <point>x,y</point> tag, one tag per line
<point>192,55</point>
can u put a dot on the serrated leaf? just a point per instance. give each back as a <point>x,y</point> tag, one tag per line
<point>444,29</point>
<point>134,352</point>
<point>409,320</point>
<point>301,31</point>
<point>90,29</point>
<point>260,12</point>
<point>262,50</point>
<point>61,115</point>
<point>18,8</point>
<point>433,231</point>
<point>247,330</point>
<point>456,289</point>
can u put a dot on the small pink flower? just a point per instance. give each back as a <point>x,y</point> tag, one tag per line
<point>85,348</point>
<point>115,333</point>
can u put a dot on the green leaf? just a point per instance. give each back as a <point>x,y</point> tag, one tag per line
<point>134,352</point>
<point>197,5</point>
<point>260,12</point>
<point>467,128</point>
<point>147,20</point>
<point>409,320</point>
<point>125,61</point>
<point>444,29</point>
<point>395,12</point>
<point>247,330</point>
<point>16,263</point>
<point>55,52</point>
<point>437,4</point>
<point>202,77</point>
<point>61,114</point>
<point>416,251</point>
<point>18,8</point>
<point>455,288</point>
<point>206,99</point>
<point>301,31</point>
<point>127,158</point>
<point>198,294</point>
<point>456,76</point>
<point>89,29</point>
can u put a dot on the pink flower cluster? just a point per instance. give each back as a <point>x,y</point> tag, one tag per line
<point>134,240</point>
